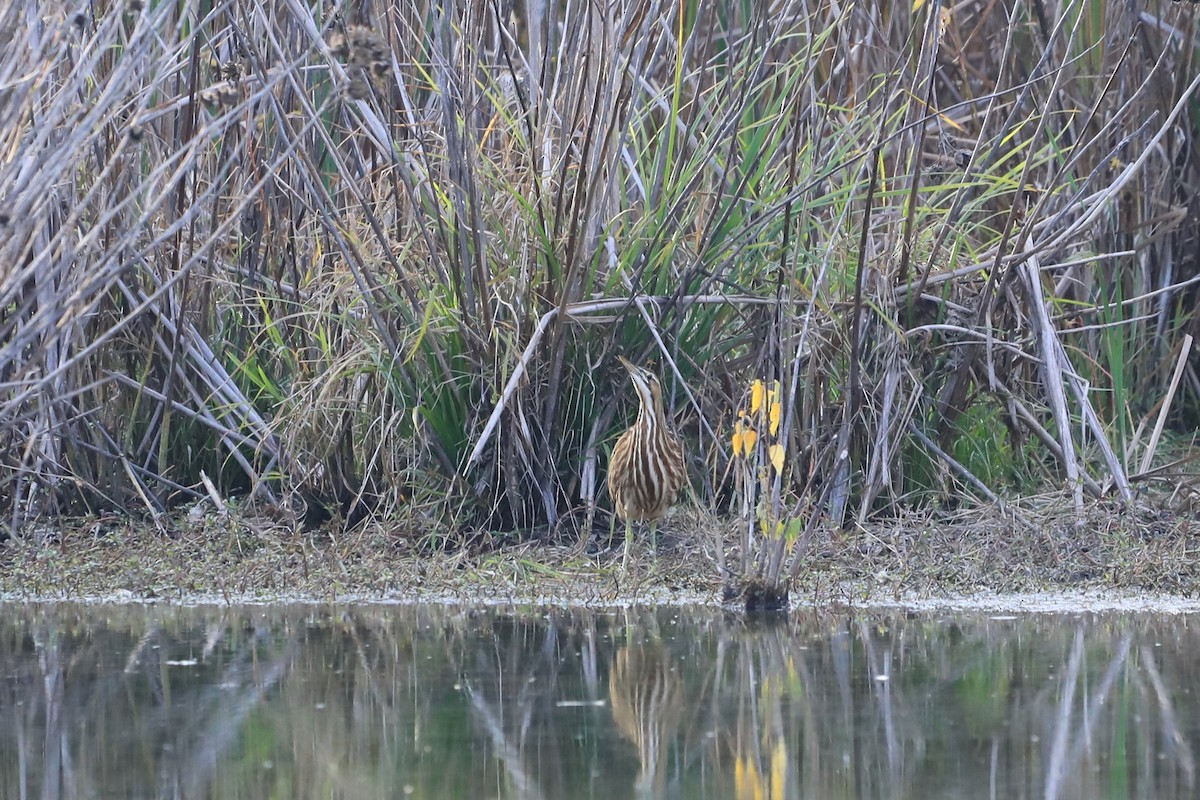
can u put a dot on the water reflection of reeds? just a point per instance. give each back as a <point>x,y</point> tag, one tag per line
<point>430,703</point>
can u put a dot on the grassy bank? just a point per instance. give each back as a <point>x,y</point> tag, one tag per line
<point>371,271</point>
<point>1140,549</point>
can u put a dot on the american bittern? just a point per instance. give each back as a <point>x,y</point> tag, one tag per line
<point>647,467</point>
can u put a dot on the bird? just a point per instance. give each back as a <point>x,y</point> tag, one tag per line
<point>647,468</point>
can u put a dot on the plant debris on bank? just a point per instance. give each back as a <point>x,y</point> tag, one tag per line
<point>230,559</point>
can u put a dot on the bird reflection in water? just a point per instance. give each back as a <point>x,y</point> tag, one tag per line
<point>648,702</point>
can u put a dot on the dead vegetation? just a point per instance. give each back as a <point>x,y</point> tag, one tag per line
<point>378,265</point>
<point>1140,547</point>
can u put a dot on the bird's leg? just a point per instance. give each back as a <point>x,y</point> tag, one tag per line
<point>628,541</point>
<point>654,538</point>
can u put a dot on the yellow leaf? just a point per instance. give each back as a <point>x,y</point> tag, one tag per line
<point>917,4</point>
<point>777,457</point>
<point>753,781</point>
<point>943,21</point>
<point>749,437</point>
<point>756,396</point>
<point>778,770</point>
<point>775,414</point>
<point>737,440</point>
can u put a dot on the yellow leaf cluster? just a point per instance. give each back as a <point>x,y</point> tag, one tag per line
<point>744,438</point>
<point>766,407</point>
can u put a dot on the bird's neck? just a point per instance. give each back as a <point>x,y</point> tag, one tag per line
<point>653,419</point>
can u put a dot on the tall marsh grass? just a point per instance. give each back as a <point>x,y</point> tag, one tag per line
<point>381,257</point>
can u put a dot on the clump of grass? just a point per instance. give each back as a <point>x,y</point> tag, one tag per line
<point>378,265</point>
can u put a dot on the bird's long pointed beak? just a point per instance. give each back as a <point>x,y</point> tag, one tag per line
<point>627,364</point>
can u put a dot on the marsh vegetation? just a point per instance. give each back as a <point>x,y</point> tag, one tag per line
<point>373,264</point>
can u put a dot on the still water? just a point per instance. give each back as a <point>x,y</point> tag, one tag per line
<point>429,702</point>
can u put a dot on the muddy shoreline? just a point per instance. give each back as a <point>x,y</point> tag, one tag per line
<point>1073,602</point>
<point>1120,559</point>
